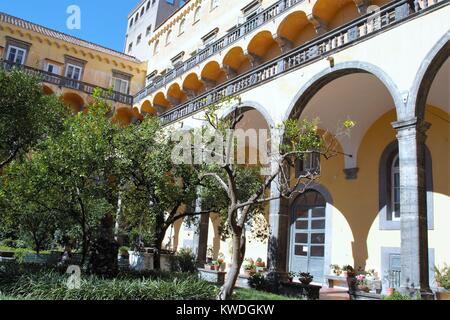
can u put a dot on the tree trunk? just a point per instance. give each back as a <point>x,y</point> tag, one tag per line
<point>85,245</point>
<point>157,252</point>
<point>239,243</point>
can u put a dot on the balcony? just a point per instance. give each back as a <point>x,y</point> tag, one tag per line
<point>339,39</point>
<point>64,82</point>
<point>241,31</point>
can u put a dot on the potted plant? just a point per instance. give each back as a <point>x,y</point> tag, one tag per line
<point>124,252</point>
<point>215,266</point>
<point>222,264</point>
<point>306,278</point>
<point>362,283</point>
<point>260,265</point>
<point>336,269</point>
<point>390,279</point>
<point>442,277</point>
<point>291,275</point>
<point>348,271</point>
<point>209,255</point>
<point>249,266</point>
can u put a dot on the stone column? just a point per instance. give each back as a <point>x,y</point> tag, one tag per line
<point>202,237</point>
<point>278,228</point>
<point>278,236</point>
<point>411,135</point>
<point>202,248</point>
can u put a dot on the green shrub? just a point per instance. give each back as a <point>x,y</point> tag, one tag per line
<point>258,281</point>
<point>184,261</point>
<point>39,283</point>
<point>398,296</point>
<point>442,276</point>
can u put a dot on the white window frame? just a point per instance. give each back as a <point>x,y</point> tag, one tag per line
<point>16,54</point>
<point>181,27</point>
<point>122,82</point>
<point>394,170</point>
<point>69,65</point>
<point>197,14</point>
<point>214,4</point>
<point>56,68</point>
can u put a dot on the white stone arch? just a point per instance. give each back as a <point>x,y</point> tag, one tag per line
<point>250,104</point>
<point>424,79</point>
<point>319,80</point>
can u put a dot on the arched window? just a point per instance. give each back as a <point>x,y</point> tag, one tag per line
<point>389,188</point>
<point>142,11</point>
<point>148,5</point>
<point>197,14</point>
<point>182,24</point>
<point>156,50</point>
<point>168,37</point>
<point>131,22</point>
<point>214,4</point>
<point>395,189</point>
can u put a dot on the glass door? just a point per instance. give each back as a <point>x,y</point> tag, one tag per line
<point>308,235</point>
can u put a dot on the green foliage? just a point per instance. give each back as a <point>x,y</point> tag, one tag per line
<point>155,189</point>
<point>398,296</point>
<point>124,250</point>
<point>184,261</point>
<point>66,183</point>
<point>442,276</point>
<point>258,281</point>
<point>301,137</point>
<point>251,294</point>
<point>45,284</point>
<point>26,115</point>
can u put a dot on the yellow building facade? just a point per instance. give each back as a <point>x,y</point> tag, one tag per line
<point>383,203</point>
<point>71,67</point>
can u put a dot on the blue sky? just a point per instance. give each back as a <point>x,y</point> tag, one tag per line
<point>102,21</point>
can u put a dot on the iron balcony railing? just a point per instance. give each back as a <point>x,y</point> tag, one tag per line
<point>61,81</point>
<point>339,39</point>
<point>233,36</point>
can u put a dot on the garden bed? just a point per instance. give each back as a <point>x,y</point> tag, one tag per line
<point>40,283</point>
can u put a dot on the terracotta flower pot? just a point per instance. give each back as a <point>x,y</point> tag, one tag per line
<point>390,291</point>
<point>442,294</point>
<point>363,288</point>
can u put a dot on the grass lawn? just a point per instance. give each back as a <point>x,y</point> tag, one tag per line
<point>6,298</point>
<point>249,294</point>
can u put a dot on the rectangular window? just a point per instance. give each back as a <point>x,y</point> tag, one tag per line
<point>52,68</point>
<point>310,164</point>
<point>73,72</point>
<point>210,37</point>
<point>120,85</point>
<point>16,55</point>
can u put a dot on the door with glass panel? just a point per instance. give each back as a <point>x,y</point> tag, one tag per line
<point>308,235</point>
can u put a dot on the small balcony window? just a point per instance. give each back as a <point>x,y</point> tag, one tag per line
<point>16,55</point>
<point>120,85</point>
